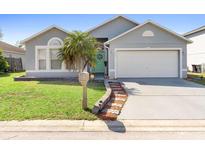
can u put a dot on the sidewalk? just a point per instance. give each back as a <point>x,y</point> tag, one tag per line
<point>103,126</point>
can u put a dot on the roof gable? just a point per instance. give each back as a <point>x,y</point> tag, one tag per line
<point>154,24</point>
<point>111,20</point>
<point>112,28</point>
<point>43,31</point>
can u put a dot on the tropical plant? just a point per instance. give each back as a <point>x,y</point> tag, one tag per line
<point>3,63</point>
<point>79,50</point>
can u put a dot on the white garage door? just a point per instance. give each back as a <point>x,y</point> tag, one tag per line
<point>140,64</point>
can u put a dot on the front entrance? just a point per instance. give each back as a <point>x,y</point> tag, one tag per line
<point>100,65</point>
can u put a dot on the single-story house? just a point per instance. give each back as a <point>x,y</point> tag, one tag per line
<point>196,50</point>
<point>14,55</point>
<point>131,50</point>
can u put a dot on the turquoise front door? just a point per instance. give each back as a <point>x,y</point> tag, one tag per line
<point>100,66</point>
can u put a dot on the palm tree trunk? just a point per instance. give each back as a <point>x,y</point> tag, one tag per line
<point>85,65</point>
<point>66,65</point>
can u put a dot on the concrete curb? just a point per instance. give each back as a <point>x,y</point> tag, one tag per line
<point>104,99</point>
<point>103,126</point>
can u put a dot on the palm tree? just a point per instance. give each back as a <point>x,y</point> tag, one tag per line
<point>79,50</point>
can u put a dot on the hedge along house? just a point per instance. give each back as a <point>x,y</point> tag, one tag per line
<point>131,50</point>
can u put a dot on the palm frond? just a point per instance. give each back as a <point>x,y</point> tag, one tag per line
<point>79,50</point>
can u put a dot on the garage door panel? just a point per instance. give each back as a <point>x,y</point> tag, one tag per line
<point>133,64</point>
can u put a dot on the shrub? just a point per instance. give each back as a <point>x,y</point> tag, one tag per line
<point>3,63</point>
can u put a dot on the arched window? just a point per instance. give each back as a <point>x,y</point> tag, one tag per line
<point>54,44</point>
<point>55,41</point>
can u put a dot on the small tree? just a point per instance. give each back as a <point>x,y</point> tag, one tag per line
<point>3,63</point>
<point>79,50</point>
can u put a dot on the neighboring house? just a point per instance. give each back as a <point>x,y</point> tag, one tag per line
<point>196,50</point>
<point>131,50</point>
<point>14,55</point>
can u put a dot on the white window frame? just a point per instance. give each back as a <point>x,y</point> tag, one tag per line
<point>37,59</point>
<point>148,49</point>
<point>54,38</point>
<point>47,48</point>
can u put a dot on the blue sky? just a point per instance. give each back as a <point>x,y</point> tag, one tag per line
<point>19,27</point>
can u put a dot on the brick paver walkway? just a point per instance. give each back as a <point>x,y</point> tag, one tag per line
<point>118,98</point>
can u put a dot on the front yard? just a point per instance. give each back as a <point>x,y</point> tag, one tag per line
<point>45,99</point>
<point>197,77</point>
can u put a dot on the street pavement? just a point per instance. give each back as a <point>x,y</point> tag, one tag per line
<point>99,135</point>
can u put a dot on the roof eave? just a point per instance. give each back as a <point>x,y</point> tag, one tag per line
<point>149,21</point>
<point>42,31</point>
<point>110,20</point>
<point>194,31</point>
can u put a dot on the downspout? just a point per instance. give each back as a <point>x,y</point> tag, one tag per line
<point>107,48</point>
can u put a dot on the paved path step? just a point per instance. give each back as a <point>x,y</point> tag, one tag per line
<point>107,116</point>
<point>111,111</point>
<point>115,105</point>
<point>119,95</point>
<point>118,99</point>
<point>119,92</point>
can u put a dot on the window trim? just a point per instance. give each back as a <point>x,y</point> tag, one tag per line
<point>38,58</point>
<point>47,48</point>
<point>54,38</point>
<point>50,59</point>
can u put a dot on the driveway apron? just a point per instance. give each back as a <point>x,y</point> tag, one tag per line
<point>163,99</point>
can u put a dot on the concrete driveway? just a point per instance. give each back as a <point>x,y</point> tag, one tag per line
<point>163,99</point>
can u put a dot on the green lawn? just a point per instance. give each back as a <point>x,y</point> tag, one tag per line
<point>21,100</point>
<point>196,76</point>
